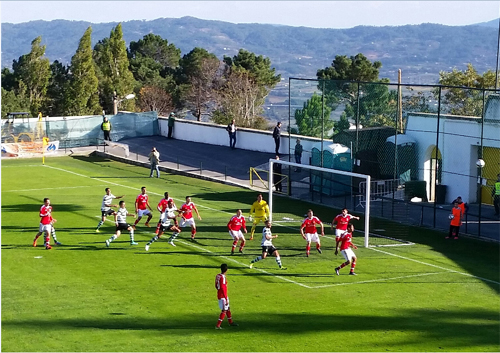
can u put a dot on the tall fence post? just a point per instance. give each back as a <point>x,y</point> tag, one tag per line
<point>436,155</point>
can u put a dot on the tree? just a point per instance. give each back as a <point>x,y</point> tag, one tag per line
<point>459,100</point>
<point>247,80</point>
<point>153,61</point>
<point>11,102</point>
<point>336,81</point>
<point>342,124</point>
<point>110,56</point>
<point>55,103</point>
<point>83,98</point>
<point>154,98</point>
<point>197,72</point>
<point>34,71</point>
<point>314,118</point>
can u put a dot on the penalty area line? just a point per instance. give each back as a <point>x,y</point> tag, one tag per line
<point>379,280</point>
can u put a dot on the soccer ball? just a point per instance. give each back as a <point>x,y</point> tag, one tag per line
<point>451,216</point>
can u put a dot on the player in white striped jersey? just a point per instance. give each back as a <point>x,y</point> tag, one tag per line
<point>166,224</point>
<point>106,209</point>
<point>267,246</point>
<point>121,224</point>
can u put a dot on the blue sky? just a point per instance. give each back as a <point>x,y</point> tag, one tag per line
<point>319,14</point>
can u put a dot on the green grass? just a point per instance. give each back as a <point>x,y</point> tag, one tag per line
<point>436,295</point>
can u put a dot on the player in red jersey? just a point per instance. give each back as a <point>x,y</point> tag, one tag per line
<point>311,234</point>
<point>345,243</point>
<point>141,207</point>
<point>162,206</point>
<point>46,221</point>
<point>221,286</point>
<point>342,220</point>
<point>235,225</point>
<point>187,215</point>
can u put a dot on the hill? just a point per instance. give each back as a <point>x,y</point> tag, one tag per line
<point>421,51</point>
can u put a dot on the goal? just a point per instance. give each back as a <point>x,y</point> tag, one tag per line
<point>329,187</point>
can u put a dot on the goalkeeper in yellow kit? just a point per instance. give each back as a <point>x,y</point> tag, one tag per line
<point>260,212</point>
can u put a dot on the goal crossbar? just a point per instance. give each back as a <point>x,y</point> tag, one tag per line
<point>367,191</point>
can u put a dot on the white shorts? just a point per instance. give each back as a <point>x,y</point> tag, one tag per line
<point>143,212</point>
<point>224,304</point>
<point>45,228</point>
<point>339,232</point>
<point>236,234</point>
<point>188,222</point>
<point>348,254</point>
<point>312,237</point>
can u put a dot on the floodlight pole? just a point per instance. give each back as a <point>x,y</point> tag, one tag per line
<point>498,49</point>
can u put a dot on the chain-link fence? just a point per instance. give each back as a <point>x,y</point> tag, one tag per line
<point>422,145</point>
<point>79,131</point>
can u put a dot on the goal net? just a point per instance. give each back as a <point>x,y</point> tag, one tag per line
<point>334,188</point>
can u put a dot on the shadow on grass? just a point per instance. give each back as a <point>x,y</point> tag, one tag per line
<point>453,329</point>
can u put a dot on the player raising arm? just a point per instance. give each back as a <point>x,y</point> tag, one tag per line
<point>341,221</point>
<point>121,224</point>
<point>345,242</point>
<point>267,246</point>
<point>187,216</point>
<point>235,225</point>
<point>106,205</point>
<point>260,212</point>
<point>311,234</point>
<point>141,207</point>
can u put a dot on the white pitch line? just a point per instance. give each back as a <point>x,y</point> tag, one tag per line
<point>384,252</point>
<point>63,187</point>
<point>435,266</point>
<point>246,265</point>
<point>379,280</point>
<point>235,261</point>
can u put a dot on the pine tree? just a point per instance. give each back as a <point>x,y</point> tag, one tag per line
<point>83,98</point>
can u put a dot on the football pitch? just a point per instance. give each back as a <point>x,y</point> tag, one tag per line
<point>435,295</point>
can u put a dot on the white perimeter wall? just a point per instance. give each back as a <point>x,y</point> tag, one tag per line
<point>248,139</point>
<point>459,153</point>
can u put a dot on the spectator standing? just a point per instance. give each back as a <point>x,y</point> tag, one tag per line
<point>154,159</point>
<point>298,154</point>
<point>277,175</point>
<point>171,121</point>
<point>106,128</point>
<point>277,136</point>
<point>496,196</point>
<point>231,130</point>
<point>463,205</point>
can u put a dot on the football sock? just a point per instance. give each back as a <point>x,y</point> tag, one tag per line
<point>234,245</point>
<point>229,318</point>
<point>308,248</point>
<point>253,230</point>
<point>100,224</point>
<point>193,232</point>
<point>242,245</point>
<point>258,258</point>
<point>53,232</point>
<point>136,221</point>
<point>318,246</point>
<point>36,237</point>
<point>158,228</point>
<point>153,239</point>
<point>278,261</point>
<point>113,237</point>
<point>344,264</point>
<point>47,240</point>
<point>132,236</point>
<point>353,265</point>
<point>221,318</point>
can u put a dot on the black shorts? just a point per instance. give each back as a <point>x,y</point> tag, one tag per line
<point>165,228</point>
<point>122,226</point>
<point>107,213</point>
<point>269,249</point>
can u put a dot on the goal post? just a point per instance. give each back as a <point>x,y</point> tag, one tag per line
<point>322,179</point>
